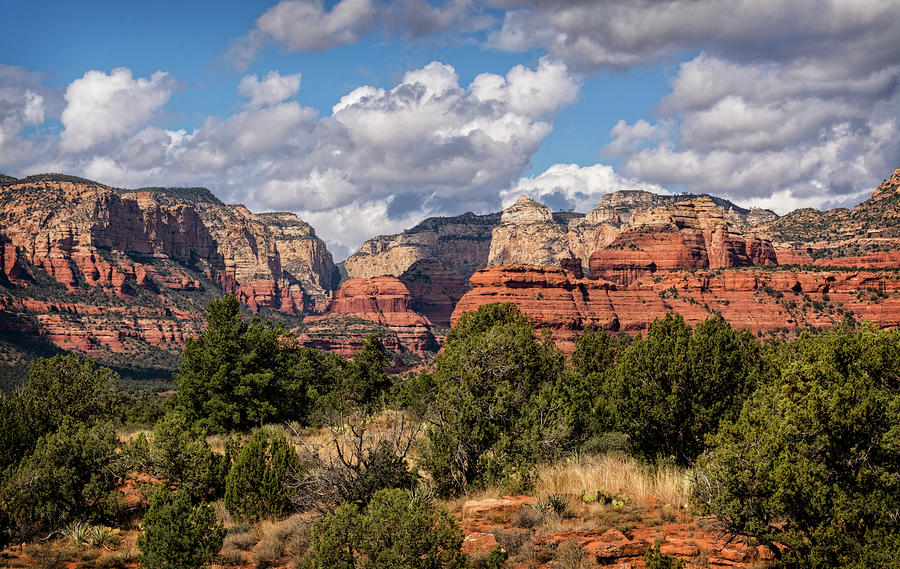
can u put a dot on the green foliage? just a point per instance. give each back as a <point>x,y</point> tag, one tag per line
<point>180,454</point>
<point>500,402</point>
<point>653,559</point>
<point>558,503</point>
<point>70,475</point>
<point>812,461</point>
<point>68,387</point>
<point>257,485</point>
<point>366,380</point>
<point>178,535</point>
<point>60,388</point>
<point>394,531</point>
<point>238,375</point>
<point>671,389</point>
<point>595,352</point>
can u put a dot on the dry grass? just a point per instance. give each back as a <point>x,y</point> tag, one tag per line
<point>281,539</point>
<point>661,484</point>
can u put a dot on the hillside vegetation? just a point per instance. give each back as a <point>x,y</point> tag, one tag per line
<point>272,454</point>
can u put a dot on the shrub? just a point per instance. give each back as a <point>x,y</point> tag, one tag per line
<point>501,402</point>
<point>180,454</point>
<point>366,381</point>
<point>812,461</point>
<point>257,485</point>
<point>70,475</point>
<point>654,559</point>
<point>356,462</point>
<point>393,531</point>
<point>671,389</point>
<point>60,388</point>
<point>239,375</point>
<point>177,535</point>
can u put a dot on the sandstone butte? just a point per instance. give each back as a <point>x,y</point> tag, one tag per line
<point>121,273</point>
<point>104,271</point>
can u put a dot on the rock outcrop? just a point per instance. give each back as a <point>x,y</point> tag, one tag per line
<point>530,234</point>
<point>459,243</point>
<point>384,301</point>
<point>85,262</point>
<point>690,234</point>
<point>77,231</point>
<point>755,299</point>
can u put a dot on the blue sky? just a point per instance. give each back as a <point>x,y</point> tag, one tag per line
<point>365,116</point>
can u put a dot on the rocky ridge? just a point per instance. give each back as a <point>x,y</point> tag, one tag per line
<point>127,273</point>
<point>116,272</point>
<point>867,231</point>
<point>755,298</point>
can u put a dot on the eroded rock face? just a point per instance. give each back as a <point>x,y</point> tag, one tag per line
<point>385,301</point>
<point>711,234</point>
<point>116,254</point>
<point>754,298</point>
<point>690,234</point>
<point>459,243</point>
<point>73,229</point>
<point>435,290</point>
<point>529,234</point>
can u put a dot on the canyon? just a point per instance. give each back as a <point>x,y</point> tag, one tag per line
<point>125,275</point>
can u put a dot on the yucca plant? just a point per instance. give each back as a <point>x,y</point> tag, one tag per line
<point>541,506</point>
<point>77,532</point>
<point>103,537</point>
<point>558,503</point>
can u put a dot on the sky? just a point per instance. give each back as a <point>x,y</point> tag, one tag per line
<point>366,116</point>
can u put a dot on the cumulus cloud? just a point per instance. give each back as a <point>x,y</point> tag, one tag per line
<point>273,89</point>
<point>805,132</point>
<point>428,145</point>
<point>101,107</point>
<point>570,186</point>
<point>306,25</point>
<point>624,34</point>
<point>24,103</point>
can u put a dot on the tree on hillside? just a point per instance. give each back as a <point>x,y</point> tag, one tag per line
<point>396,530</point>
<point>367,381</point>
<point>670,389</point>
<point>812,463</point>
<point>499,402</point>
<point>62,388</point>
<point>69,476</point>
<point>239,374</point>
<point>177,534</point>
<point>257,486</point>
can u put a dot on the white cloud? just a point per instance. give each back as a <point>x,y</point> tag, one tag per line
<point>273,89</point>
<point>570,186</point>
<point>24,102</point>
<point>860,33</point>
<point>103,107</point>
<point>305,25</point>
<point>806,131</point>
<point>429,145</point>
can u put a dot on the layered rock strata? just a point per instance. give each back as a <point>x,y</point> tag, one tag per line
<point>72,230</point>
<point>619,235</point>
<point>755,299</point>
<point>384,301</point>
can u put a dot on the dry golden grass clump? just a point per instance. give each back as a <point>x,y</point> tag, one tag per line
<point>660,484</point>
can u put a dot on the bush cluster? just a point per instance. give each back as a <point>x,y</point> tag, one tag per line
<point>793,443</point>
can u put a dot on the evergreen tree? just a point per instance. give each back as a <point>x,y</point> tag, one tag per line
<point>257,486</point>
<point>178,535</point>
